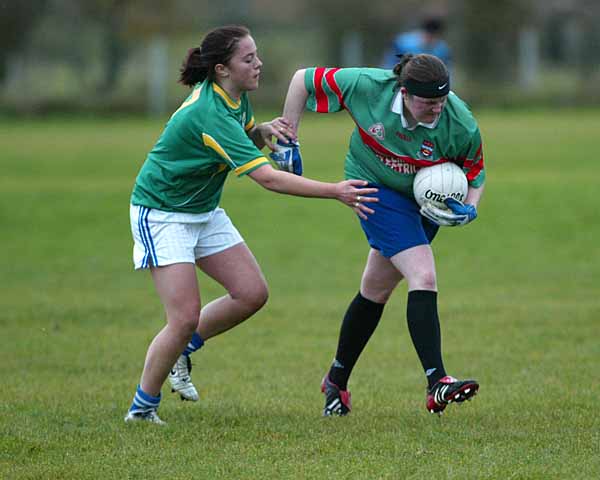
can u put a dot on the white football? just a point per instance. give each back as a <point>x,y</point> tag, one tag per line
<point>434,184</point>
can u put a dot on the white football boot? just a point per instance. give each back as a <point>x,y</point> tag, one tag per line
<point>180,379</point>
<point>149,416</point>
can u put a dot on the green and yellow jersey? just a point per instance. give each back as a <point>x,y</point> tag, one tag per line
<point>383,149</point>
<point>202,142</point>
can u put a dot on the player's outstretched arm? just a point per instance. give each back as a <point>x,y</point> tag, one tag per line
<point>351,193</point>
<point>295,100</point>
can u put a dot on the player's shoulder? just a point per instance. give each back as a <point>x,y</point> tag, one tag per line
<point>215,105</point>
<point>460,113</point>
<point>374,76</point>
<point>356,79</point>
<point>201,112</point>
<point>364,73</point>
<point>196,104</point>
<point>366,84</point>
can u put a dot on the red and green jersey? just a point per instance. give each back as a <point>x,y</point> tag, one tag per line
<point>383,149</point>
<point>203,140</point>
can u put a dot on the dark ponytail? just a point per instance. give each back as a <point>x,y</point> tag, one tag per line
<point>194,68</point>
<point>404,59</point>
<point>218,47</point>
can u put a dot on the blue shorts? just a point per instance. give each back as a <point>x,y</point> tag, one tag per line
<point>396,224</point>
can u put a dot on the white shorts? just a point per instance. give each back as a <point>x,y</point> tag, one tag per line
<point>163,238</point>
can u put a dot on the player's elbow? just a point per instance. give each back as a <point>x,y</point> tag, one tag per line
<point>268,178</point>
<point>269,184</point>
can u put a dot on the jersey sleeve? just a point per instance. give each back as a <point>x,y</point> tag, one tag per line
<point>229,141</point>
<point>329,89</point>
<point>473,160</point>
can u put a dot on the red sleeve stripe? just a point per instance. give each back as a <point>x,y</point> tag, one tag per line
<point>381,150</point>
<point>320,95</point>
<point>330,79</point>
<point>475,166</point>
<point>475,171</point>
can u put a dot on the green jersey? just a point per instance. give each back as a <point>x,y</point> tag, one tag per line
<point>203,140</point>
<point>383,149</point>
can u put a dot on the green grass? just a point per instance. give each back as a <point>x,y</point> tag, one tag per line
<point>519,305</point>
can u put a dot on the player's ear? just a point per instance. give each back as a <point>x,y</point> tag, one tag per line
<point>221,70</point>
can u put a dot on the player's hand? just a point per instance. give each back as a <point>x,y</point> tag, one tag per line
<point>460,215</point>
<point>280,128</point>
<point>287,157</point>
<point>350,193</point>
<point>464,210</point>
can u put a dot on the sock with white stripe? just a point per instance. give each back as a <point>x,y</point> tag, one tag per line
<point>424,328</point>
<point>144,402</point>
<point>194,344</point>
<point>360,321</point>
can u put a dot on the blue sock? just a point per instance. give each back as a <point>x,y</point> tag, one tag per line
<point>195,344</point>
<point>143,402</point>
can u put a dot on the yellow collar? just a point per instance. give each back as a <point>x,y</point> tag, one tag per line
<point>227,98</point>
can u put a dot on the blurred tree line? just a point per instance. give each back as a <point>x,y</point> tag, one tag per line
<point>125,54</point>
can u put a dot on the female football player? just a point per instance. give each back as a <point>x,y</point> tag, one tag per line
<point>406,118</point>
<point>176,221</point>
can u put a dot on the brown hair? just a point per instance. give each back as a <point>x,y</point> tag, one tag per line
<point>421,68</point>
<point>218,46</point>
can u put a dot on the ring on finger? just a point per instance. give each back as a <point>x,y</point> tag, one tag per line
<point>358,198</point>
<point>356,204</point>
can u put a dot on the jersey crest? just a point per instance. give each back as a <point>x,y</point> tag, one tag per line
<point>426,150</point>
<point>377,131</point>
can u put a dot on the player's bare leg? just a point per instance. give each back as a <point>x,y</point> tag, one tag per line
<point>177,288</point>
<point>380,278</point>
<point>417,265</point>
<point>237,270</point>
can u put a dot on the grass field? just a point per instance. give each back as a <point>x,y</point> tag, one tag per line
<point>519,305</point>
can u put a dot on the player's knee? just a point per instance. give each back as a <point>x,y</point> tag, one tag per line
<point>255,296</point>
<point>186,318</point>
<point>190,324</point>
<point>425,280</point>
<point>378,289</point>
<point>259,296</point>
<point>377,295</point>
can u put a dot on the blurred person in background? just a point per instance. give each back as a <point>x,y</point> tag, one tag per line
<point>176,221</point>
<point>405,119</point>
<point>427,39</point>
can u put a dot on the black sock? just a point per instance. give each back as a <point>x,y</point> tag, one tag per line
<point>424,328</point>
<point>358,325</point>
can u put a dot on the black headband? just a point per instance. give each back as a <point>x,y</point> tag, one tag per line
<point>427,89</point>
